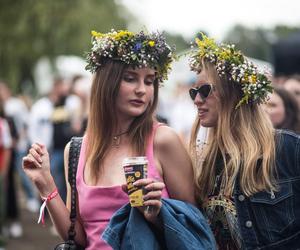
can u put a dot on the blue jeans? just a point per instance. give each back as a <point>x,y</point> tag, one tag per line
<point>58,171</point>
<point>25,181</point>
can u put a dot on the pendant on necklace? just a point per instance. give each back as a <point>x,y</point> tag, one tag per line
<point>116,141</point>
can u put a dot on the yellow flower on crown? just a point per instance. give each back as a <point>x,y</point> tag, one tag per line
<point>123,33</point>
<point>245,78</point>
<point>225,55</point>
<point>151,43</point>
<point>208,43</point>
<point>96,34</point>
<point>253,79</point>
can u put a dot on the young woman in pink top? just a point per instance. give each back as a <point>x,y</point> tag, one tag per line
<point>128,68</point>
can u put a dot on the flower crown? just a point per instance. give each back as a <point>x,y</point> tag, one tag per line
<point>232,63</point>
<point>137,50</point>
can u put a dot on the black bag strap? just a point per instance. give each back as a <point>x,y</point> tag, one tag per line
<point>74,153</point>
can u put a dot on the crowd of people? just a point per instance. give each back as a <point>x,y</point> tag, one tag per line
<point>241,171</point>
<point>52,120</point>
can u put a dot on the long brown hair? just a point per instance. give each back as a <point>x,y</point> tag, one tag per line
<point>102,121</point>
<point>243,137</point>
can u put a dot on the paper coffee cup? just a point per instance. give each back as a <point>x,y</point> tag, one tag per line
<point>135,168</point>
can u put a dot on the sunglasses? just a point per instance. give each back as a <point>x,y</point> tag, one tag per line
<point>204,91</point>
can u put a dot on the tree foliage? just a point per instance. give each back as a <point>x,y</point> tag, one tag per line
<point>178,41</point>
<point>257,42</point>
<point>30,29</point>
<point>253,42</point>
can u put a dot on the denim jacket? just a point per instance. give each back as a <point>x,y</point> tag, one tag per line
<point>272,220</point>
<point>183,227</point>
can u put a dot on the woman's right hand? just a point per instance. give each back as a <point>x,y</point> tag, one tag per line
<point>36,165</point>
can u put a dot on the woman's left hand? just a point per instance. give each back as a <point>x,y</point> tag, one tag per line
<point>152,198</point>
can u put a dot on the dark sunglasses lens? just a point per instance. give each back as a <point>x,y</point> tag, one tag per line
<point>204,90</point>
<point>193,93</point>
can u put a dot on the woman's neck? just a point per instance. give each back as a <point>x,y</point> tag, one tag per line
<point>122,127</point>
<point>120,133</point>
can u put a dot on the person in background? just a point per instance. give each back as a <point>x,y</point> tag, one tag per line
<point>80,90</point>
<point>128,68</point>
<point>5,158</point>
<point>52,116</point>
<point>293,86</point>
<point>17,109</point>
<point>181,120</point>
<point>248,173</point>
<point>64,114</point>
<point>283,110</point>
<point>17,116</point>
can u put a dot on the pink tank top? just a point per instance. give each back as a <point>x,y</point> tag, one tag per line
<point>97,204</point>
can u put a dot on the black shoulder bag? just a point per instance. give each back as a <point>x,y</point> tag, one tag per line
<point>74,153</point>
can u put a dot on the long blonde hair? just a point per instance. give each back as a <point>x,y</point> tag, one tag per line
<point>102,121</point>
<point>243,137</point>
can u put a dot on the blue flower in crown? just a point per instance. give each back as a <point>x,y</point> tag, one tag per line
<point>135,49</point>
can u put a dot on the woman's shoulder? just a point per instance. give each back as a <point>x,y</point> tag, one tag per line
<point>165,136</point>
<point>287,136</point>
<point>287,153</point>
<point>287,145</point>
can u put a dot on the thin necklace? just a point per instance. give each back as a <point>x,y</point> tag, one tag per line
<point>117,139</point>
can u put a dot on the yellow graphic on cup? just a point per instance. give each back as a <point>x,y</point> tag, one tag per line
<point>135,168</point>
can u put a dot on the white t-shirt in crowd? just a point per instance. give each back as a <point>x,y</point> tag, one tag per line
<point>5,137</point>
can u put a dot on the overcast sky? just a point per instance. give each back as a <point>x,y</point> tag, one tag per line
<point>214,16</point>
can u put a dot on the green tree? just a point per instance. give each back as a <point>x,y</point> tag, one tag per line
<point>253,42</point>
<point>178,41</point>
<point>30,29</point>
<point>257,42</point>
<point>283,31</point>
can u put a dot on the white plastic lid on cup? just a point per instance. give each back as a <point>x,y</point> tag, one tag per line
<point>134,160</point>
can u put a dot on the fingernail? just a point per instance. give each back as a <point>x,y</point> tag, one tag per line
<point>149,209</point>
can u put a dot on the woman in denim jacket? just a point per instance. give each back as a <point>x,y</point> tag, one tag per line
<point>247,173</point>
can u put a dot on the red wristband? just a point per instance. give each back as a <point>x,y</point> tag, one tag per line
<point>52,195</point>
